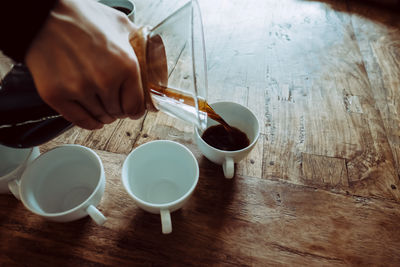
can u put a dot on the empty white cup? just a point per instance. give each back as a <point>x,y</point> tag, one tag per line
<point>13,162</point>
<point>64,184</point>
<point>160,176</point>
<point>237,116</point>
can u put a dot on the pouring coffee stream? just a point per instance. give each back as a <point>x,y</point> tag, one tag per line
<point>178,96</point>
<point>224,138</point>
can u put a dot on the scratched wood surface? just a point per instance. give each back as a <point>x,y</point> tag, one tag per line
<point>320,188</point>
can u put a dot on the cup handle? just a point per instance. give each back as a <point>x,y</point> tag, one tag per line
<point>13,185</point>
<point>229,167</point>
<point>96,215</point>
<point>166,223</point>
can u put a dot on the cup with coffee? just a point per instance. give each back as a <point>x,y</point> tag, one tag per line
<point>228,145</point>
<point>160,176</point>
<point>13,162</point>
<point>64,184</point>
<point>125,6</point>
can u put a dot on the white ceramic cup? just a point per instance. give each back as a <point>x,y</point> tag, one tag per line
<point>13,162</point>
<point>126,6</point>
<point>237,116</point>
<point>160,176</point>
<point>64,184</point>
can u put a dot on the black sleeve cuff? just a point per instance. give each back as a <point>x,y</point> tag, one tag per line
<point>20,21</point>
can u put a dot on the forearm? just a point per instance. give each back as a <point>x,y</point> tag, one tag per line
<point>20,21</point>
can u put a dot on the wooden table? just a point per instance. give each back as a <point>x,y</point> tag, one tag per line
<point>320,188</point>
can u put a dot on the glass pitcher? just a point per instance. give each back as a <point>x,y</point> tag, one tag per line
<point>173,65</point>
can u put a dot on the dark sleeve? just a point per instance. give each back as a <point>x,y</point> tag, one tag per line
<point>20,21</point>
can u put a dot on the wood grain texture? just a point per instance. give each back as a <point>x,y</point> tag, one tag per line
<point>323,103</point>
<point>246,221</point>
<point>321,186</point>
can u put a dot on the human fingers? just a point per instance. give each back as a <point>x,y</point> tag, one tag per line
<point>95,107</point>
<point>108,93</point>
<point>132,96</point>
<point>78,115</point>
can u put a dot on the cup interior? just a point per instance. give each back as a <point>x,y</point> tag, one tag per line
<point>160,172</point>
<point>12,158</point>
<point>124,6</point>
<point>237,116</point>
<point>61,179</point>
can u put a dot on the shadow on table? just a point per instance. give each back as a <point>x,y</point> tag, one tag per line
<point>8,209</point>
<point>382,11</point>
<point>48,243</point>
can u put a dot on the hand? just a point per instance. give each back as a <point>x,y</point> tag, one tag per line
<point>83,65</point>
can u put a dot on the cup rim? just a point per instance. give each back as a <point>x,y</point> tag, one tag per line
<point>82,204</point>
<point>124,178</point>
<point>232,151</point>
<point>19,166</point>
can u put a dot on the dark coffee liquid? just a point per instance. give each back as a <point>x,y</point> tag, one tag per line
<point>217,136</point>
<point>122,9</point>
